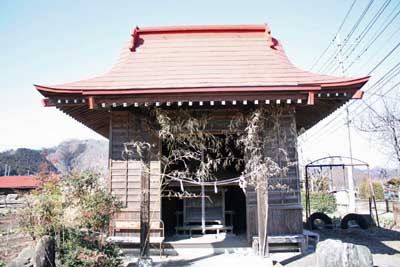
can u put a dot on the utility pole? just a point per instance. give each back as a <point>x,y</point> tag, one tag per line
<point>350,180</point>
<point>339,55</point>
<point>352,199</point>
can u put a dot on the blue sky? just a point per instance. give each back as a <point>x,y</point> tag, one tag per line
<point>48,42</point>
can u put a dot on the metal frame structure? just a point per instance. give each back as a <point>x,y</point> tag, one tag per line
<point>333,161</point>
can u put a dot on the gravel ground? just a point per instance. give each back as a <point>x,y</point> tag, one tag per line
<point>210,260</point>
<point>11,242</point>
<point>383,243</point>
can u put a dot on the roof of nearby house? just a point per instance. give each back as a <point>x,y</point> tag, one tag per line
<point>201,59</point>
<point>18,182</point>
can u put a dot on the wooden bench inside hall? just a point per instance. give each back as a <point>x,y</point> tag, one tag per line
<point>121,225</point>
<point>188,229</point>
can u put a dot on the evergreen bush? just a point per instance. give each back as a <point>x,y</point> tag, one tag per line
<point>321,202</point>
<point>364,191</point>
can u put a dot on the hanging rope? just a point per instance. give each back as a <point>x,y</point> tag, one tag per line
<point>241,180</point>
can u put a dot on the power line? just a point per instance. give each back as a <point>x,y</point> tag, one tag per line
<point>334,38</point>
<point>377,34</point>
<point>333,129</point>
<point>393,75</point>
<point>387,92</point>
<point>367,28</point>
<point>363,34</point>
<point>348,36</point>
<point>383,60</point>
<point>388,76</point>
<point>358,21</point>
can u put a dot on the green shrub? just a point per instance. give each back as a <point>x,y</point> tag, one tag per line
<point>62,208</point>
<point>44,212</point>
<point>96,205</point>
<point>320,202</point>
<point>378,190</point>
<point>85,249</point>
<point>364,191</point>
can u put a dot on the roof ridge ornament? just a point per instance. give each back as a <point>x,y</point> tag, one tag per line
<point>270,40</point>
<point>135,39</point>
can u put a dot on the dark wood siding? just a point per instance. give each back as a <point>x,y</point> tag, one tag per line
<point>125,173</point>
<point>285,211</point>
<point>251,214</point>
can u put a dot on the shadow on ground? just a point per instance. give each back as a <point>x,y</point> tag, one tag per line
<point>206,250</point>
<point>376,239</point>
<point>383,243</point>
<point>178,263</point>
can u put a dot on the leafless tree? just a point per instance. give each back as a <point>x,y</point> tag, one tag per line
<point>319,179</point>
<point>383,123</point>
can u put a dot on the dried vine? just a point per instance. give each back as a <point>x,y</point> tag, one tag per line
<point>255,140</point>
<point>193,152</point>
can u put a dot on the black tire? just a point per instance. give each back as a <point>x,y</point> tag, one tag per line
<point>358,218</point>
<point>311,222</point>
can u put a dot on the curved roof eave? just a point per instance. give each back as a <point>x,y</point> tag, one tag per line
<point>47,90</point>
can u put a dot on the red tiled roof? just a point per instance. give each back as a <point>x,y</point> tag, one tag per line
<point>201,59</point>
<point>18,182</point>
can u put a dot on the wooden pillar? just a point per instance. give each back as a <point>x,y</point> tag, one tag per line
<point>251,214</point>
<point>203,210</point>
<point>262,210</point>
<point>144,152</point>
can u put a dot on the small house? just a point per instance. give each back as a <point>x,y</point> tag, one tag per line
<point>12,188</point>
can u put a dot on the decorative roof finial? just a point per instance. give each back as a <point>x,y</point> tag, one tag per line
<point>135,38</point>
<point>269,36</point>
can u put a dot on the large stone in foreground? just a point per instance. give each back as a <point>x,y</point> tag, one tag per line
<point>43,255</point>
<point>26,258</point>
<point>45,252</point>
<point>335,253</point>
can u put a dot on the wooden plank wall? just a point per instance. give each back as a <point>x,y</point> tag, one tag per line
<point>128,126</point>
<point>251,214</point>
<point>285,210</point>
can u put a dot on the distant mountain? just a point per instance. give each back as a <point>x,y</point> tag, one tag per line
<point>79,155</point>
<point>71,155</point>
<point>339,175</point>
<point>24,161</point>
